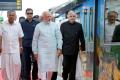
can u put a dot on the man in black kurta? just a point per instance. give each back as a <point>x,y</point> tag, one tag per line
<point>73,40</point>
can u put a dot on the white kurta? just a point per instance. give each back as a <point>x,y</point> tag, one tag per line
<point>47,38</point>
<point>109,30</point>
<point>10,56</point>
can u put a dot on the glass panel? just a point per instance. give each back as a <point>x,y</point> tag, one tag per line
<point>109,67</point>
<point>110,62</point>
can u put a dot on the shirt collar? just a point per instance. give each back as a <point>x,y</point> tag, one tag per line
<point>9,23</point>
<point>71,23</point>
<point>28,21</point>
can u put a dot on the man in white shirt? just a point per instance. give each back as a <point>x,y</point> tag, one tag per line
<point>109,28</point>
<point>10,47</point>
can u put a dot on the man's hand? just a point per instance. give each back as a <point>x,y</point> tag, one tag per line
<point>0,50</point>
<point>83,56</point>
<point>59,52</point>
<point>36,57</point>
<point>21,50</point>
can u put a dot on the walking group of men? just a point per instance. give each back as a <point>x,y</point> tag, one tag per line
<point>42,43</point>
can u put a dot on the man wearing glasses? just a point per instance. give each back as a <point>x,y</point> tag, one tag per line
<point>28,27</point>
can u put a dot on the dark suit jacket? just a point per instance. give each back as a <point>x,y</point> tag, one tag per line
<point>116,48</point>
<point>116,34</point>
<point>72,35</point>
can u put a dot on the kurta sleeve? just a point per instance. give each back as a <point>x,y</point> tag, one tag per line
<point>20,31</point>
<point>61,29</point>
<point>58,37</point>
<point>0,29</point>
<point>35,40</point>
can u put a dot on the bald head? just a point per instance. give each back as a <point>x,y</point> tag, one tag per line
<point>71,16</point>
<point>46,13</point>
<point>46,16</point>
<point>112,15</point>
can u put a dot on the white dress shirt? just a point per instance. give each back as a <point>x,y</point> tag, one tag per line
<point>10,37</point>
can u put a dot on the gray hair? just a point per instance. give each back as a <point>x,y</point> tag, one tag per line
<point>10,11</point>
<point>71,12</point>
<point>45,13</point>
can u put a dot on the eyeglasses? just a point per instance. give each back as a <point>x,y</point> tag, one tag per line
<point>29,13</point>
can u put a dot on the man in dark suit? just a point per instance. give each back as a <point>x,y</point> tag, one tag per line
<point>28,27</point>
<point>72,35</point>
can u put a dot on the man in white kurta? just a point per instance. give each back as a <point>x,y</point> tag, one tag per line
<point>10,46</point>
<point>47,44</point>
<point>109,29</point>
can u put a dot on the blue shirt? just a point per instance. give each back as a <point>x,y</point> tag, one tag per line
<point>28,30</point>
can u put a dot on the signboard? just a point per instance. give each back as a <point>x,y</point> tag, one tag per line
<point>10,4</point>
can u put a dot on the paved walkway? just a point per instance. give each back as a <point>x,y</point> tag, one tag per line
<point>87,74</point>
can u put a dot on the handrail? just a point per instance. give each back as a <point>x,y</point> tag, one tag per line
<point>112,44</point>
